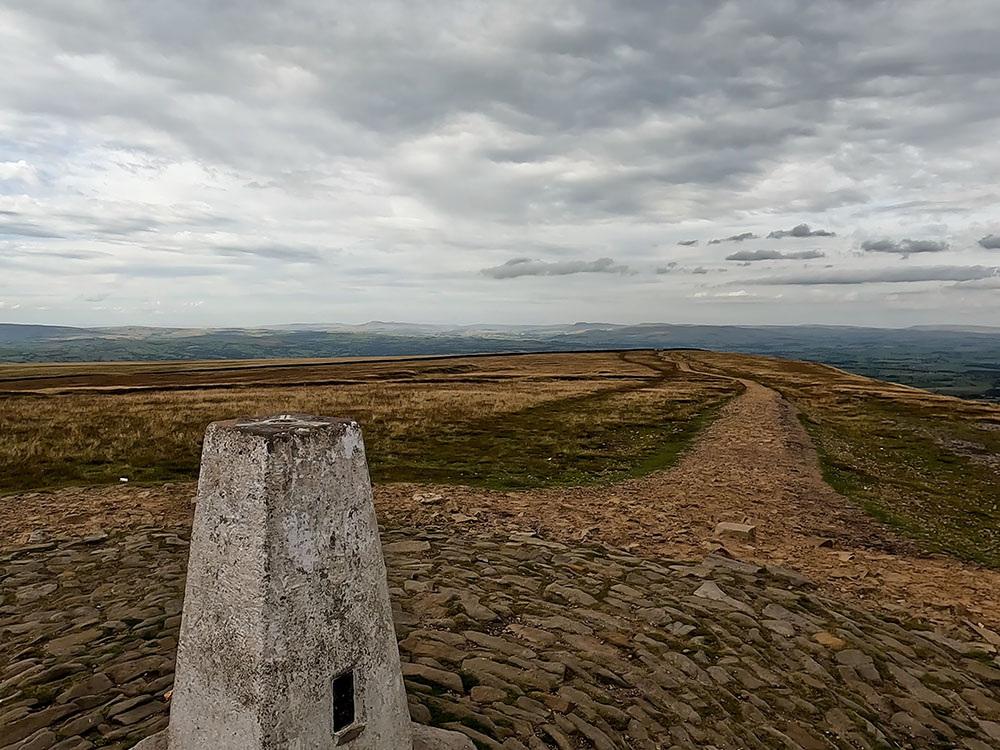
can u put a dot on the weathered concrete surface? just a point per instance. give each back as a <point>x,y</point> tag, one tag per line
<point>158,741</point>
<point>286,591</point>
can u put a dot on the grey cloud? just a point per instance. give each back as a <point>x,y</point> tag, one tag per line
<point>735,238</point>
<point>51,260</point>
<point>110,226</point>
<point>271,252</point>
<point>883,276</point>
<point>530,267</point>
<point>765,96</point>
<point>697,271</point>
<point>818,203</point>
<point>753,255</point>
<point>688,243</point>
<point>24,229</point>
<point>800,230</point>
<point>939,207</point>
<point>418,133</point>
<point>129,270</point>
<point>990,242</point>
<point>746,84</point>
<point>904,248</point>
<point>70,254</point>
<point>108,221</point>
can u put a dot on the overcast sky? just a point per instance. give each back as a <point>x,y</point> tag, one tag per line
<point>215,163</point>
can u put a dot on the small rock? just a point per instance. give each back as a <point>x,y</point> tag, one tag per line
<point>448,680</point>
<point>744,532</point>
<point>407,546</point>
<point>427,498</point>
<point>711,590</point>
<point>484,694</point>
<point>432,738</point>
<point>570,594</point>
<point>71,643</point>
<point>31,594</point>
<point>95,536</point>
<point>826,639</point>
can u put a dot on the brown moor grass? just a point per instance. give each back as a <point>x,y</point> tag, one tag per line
<point>519,421</point>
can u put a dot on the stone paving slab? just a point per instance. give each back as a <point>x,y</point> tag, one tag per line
<point>517,642</point>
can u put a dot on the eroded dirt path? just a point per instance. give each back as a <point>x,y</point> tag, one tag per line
<point>754,464</point>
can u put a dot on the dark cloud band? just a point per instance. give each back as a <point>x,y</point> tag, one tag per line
<point>904,248</point>
<point>884,276</point>
<point>800,230</point>
<point>516,267</point>
<point>735,238</point>
<point>755,255</point>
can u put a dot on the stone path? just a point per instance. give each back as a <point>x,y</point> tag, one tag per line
<point>520,643</point>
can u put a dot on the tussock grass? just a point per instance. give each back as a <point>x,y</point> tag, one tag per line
<point>494,421</point>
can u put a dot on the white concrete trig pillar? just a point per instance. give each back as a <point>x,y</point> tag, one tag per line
<point>287,640</point>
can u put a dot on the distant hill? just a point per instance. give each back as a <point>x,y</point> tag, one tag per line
<point>10,332</point>
<point>957,329</point>
<point>956,360</point>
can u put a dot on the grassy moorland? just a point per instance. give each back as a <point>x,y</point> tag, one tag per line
<point>515,421</point>
<point>927,464</point>
<point>952,360</point>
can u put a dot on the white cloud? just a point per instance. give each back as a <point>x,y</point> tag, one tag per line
<point>18,171</point>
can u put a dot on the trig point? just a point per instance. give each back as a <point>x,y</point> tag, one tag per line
<point>287,640</point>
